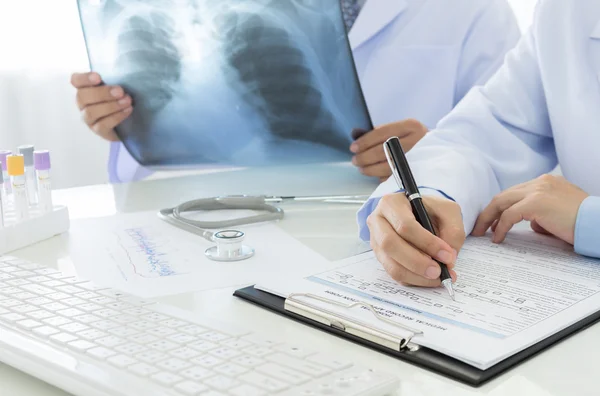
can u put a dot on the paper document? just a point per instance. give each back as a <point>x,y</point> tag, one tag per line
<point>143,255</point>
<point>508,296</point>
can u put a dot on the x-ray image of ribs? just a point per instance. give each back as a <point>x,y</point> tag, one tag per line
<point>277,76</point>
<point>148,59</point>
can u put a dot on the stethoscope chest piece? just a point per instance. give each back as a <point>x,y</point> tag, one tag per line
<point>229,247</point>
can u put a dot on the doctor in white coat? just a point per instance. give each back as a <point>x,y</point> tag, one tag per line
<point>485,164</point>
<point>415,59</point>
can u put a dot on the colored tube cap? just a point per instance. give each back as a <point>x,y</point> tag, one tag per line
<point>3,155</point>
<point>41,160</point>
<point>27,152</point>
<point>16,165</point>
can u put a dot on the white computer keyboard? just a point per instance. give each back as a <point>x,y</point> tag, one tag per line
<point>93,341</point>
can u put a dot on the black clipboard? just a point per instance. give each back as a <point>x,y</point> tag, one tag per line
<point>422,357</point>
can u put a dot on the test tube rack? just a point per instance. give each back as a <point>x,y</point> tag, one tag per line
<point>38,227</point>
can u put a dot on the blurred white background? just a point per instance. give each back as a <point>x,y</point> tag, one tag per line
<point>41,45</point>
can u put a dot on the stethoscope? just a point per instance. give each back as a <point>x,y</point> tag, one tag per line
<point>229,242</point>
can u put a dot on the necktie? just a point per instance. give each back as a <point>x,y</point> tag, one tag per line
<point>350,10</point>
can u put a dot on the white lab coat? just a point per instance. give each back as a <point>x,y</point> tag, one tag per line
<point>541,108</point>
<point>418,58</point>
<point>414,58</point>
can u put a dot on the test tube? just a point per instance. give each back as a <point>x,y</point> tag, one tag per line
<point>2,200</point>
<point>3,155</point>
<point>41,161</point>
<point>16,171</point>
<point>27,152</point>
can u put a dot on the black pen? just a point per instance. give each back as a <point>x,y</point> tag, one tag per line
<point>404,178</point>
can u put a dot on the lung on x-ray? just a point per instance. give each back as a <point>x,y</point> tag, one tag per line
<point>240,82</point>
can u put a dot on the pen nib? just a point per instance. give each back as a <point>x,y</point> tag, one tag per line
<point>448,285</point>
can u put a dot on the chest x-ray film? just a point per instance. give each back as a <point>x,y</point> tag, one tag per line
<point>242,82</point>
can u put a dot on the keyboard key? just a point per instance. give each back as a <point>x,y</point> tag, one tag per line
<point>47,271</point>
<point>203,346</point>
<point>150,356</point>
<point>39,300</point>
<point>86,318</point>
<point>190,388</point>
<point>137,311</point>
<point>46,331</point>
<point>108,326</point>
<point>207,361</point>
<point>263,382</point>
<point>54,306</point>
<point>221,382</point>
<point>225,353</point>
<point>142,325</point>
<point>283,373</point>
<point>110,341</point>
<point>100,353</point>
<point>143,338</point>
<point>23,274</point>
<point>121,361</point>
<point>247,390</point>
<point>102,300</point>
<point>10,303</point>
<point>63,338</point>
<point>258,351</point>
<point>163,345</point>
<point>91,286</point>
<point>166,378</point>
<point>180,338</point>
<point>53,283</point>
<point>37,289</point>
<point>155,317</point>
<point>12,317</point>
<point>73,301</point>
<point>16,282</point>
<point>294,351</point>
<point>118,305</point>
<point>58,296</point>
<point>86,295</point>
<point>248,361</point>
<point>10,290</point>
<point>120,331</point>
<point>236,343</point>
<point>213,393</point>
<point>39,279</point>
<point>214,336</point>
<point>89,307</point>
<point>28,323</point>
<point>69,312</point>
<point>24,308</point>
<point>142,369</point>
<point>74,327</point>
<point>111,293</point>
<point>197,373</point>
<point>130,349</point>
<point>161,331</point>
<point>329,361</point>
<point>173,364</point>
<point>306,367</point>
<point>231,369</point>
<point>91,334</point>
<point>56,321</point>
<point>70,289</point>
<point>173,323</point>
<point>260,340</point>
<point>192,330</point>
<point>3,311</point>
<point>185,353</point>
<point>124,319</point>
<point>81,345</point>
<point>23,296</point>
<point>138,302</point>
<point>106,313</point>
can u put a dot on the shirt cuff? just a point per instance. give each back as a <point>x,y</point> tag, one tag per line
<point>371,204</point>
<point>587,228</point>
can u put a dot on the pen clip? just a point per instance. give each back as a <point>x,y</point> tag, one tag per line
<point>392,163</point>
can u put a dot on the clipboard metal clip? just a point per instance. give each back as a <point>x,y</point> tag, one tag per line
<point>303,308</point>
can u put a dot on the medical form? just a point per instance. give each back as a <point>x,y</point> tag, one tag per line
<point>508,296</point>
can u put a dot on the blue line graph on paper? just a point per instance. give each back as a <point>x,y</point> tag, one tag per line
<point>145,253</point>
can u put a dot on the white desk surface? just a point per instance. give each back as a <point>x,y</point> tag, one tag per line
<point>569,368</point>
